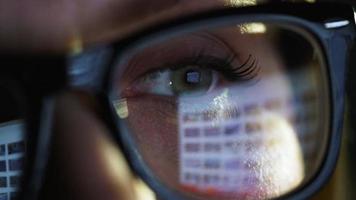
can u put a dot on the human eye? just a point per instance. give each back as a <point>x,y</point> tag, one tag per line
<point>196,76</point>
<point>193,65</point>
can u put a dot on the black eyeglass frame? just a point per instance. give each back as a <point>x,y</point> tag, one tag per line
<point>331,41</point>
<point>38,84</point>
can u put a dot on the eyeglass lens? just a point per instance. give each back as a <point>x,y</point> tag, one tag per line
<point>234,112</point>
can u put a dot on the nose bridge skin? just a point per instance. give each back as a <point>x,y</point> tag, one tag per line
<point>85,163</point>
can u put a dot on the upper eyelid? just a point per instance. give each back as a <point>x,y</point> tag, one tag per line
<point>141,63</point>
<point>208,37</point>
<point>192,60</point>
<point>216,38</point>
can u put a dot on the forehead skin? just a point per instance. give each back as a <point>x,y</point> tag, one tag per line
<point>51,26</point>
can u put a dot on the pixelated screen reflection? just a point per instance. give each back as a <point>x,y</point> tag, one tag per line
<point>246,142</point>
<point>12,150</point>
<point>232,112</point>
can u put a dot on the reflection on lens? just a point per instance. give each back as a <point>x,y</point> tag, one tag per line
<point>232,112</point>
<point>12,148</point>
<point>256,153</point>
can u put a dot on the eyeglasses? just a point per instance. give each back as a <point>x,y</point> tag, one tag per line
<point>242,103</point>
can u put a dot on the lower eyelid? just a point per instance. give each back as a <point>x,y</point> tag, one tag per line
<point>164,106</point>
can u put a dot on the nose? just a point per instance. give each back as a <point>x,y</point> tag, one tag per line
<point>85,163</point>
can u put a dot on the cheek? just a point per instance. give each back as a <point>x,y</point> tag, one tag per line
<point>153,124</point>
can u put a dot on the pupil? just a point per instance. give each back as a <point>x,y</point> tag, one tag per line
<point>192,77</point>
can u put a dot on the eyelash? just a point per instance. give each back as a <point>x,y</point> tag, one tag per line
<point>248,70</point>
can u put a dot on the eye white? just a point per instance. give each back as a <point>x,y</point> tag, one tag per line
<point>159,82</point>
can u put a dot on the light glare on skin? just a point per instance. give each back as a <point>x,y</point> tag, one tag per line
<point>115,163</point>
<point>142,191</point>
<point>116,166</point>
<point>284,155</point>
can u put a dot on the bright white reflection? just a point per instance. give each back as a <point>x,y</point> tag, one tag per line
<point>253,28</point>
<point>240,3</point>
<point>281,155</point>
<point>236,140</point>
<point>336,24</point>
<point>121,108</point>
<point>220,104</point>
<point>143,191</point>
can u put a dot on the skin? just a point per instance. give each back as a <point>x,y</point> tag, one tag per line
<point>41,26</point>
<point>57,24</point>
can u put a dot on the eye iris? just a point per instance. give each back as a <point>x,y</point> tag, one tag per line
<point>191,80</point>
